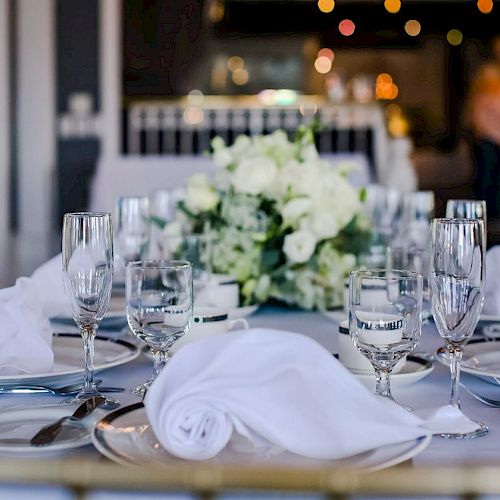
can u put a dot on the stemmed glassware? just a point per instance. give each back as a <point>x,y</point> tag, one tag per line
<point>466,209</point>
<point>385,318</point>
<point>159,296</point>
<point>457,289</point>
<point>87,257</point>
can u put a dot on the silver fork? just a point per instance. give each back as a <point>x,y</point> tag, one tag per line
<point>481,397</point>
<point>68,390</point>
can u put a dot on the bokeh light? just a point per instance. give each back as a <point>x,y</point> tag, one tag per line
<point>216,11</point>
<point>195,97</point>
<point>392,6</point>
<point>240,76</point>
<point>485,6</point>
<point>347,27</point>
<point>326,6</point>
<point>326,52</point>
<point>193,116</point>
<point>234,63</point>
<point>412,27</point>
<point>454,37</point>
<point>385,88</point>
<point>323,64</point>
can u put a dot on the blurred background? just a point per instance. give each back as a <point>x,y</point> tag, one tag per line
<point>84,83</point>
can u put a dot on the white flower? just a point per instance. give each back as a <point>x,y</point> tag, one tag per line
<point>222,158</point>
<point>323,223</point>
<point>201,196</point>
<point>254,175</point>
<point>262,288</point>
<point>299,246</point>
<point>295,209</point>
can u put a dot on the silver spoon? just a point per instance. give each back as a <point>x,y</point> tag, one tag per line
<point>56,391</point>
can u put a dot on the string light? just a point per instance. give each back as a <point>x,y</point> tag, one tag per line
<point>240,76</point>
<point>413,27</point>
<point>326,6</point>
<point>485,6</point>
<point>216,11</point>
<point>454,37</point>
<point>326,52</point>
<point>323,64</point>
<point>347,27</point>
<point>234,63</point>
<point>392,6</point>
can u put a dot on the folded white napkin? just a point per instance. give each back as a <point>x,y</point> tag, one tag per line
<point>492,288</point>
<point>279,390</point>
<point>49,285</point>
<point>25,333</point>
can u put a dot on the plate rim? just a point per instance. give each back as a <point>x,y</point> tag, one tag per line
<point>463,367</point>
<point>134,352</point>
<point>98,440</point>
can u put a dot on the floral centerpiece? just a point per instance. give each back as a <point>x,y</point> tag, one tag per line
<point>286,224</point>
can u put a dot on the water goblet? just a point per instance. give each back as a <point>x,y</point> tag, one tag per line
<point>159,297</point>
<point>384,318</point>
<point>457,290</point>
<point>87,259</point>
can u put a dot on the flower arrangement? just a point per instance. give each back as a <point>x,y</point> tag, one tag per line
<point>286,224</point>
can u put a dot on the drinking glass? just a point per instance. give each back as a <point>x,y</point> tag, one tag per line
<point>467,209</point>
<point>418,211</point>
<point>457,289</point>
<point>412,258</point>
<point>132,229</point>
<point>384,318</point>
<point>159,296</point>
<point>87,257</point>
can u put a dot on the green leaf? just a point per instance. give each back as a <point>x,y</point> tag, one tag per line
<point>161,223</point>
<point>362,195</point>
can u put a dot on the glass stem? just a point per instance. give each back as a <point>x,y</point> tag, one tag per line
<point>455,358</point>
<point>88,335</point>
<point>159,360</point>
<point>383,384</point>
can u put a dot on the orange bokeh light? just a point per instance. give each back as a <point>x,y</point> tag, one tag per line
<point>347,27</point>
<point>326,6</point>
<point>412,27</point>
<point>485,6</point>
<point>323,64</point>
<point>326,52</point>
<point>392,6</point>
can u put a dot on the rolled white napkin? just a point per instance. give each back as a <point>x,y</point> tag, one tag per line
<point>25,333</point>
<point>48,281</point>
<point>279,390</point>
<point>492,288</point>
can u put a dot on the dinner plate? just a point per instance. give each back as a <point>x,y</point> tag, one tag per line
<point>243,311</point>
<point>19,424</point>
<point>336,315</point>
<point>481,357</point>
<point>69,362</point>
<point>126,437</point>
<point>417,367</point>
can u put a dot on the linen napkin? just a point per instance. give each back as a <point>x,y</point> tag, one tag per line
<point>278,390</point>
<point>492,289</point>
<point>49,285</point>
<point>25,333</point>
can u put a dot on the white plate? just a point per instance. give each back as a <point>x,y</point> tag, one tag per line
<point>336,315</point>
<point>126,437</point>
<point>489,317</point>
<point>243,311</point>
<point>481,357</point>
<point>416,368</point>
<point>19,424</point>
<point>69,362</point>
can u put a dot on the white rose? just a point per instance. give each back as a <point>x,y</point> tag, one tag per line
<point>299,246</point>
<point>222,158</point>
<point>200,194</point>
<point>323,224</point>
<point>254,175</point>
<point>295,209</point>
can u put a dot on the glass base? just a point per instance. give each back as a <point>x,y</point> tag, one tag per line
<point>141,389</point>
<point>481,430</point>
<point>82,396</point>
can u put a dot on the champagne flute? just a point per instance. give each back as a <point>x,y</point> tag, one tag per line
<point>159,296</point>
<point>87,257</point>
<point>457,289</point>
<point>384,318</point>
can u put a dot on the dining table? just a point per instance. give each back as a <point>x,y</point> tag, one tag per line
<point>444,466</point>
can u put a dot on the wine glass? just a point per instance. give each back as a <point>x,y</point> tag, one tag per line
<point>384,318</point>
<point>457,289</point>
<point>159,296</point>
<point>467,209</point>
<point>87,259</point>
<point>416,259</point>
<point>418,211</point>
<point>132,230</point>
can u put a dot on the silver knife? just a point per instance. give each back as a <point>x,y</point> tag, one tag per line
<point>48,433</point>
